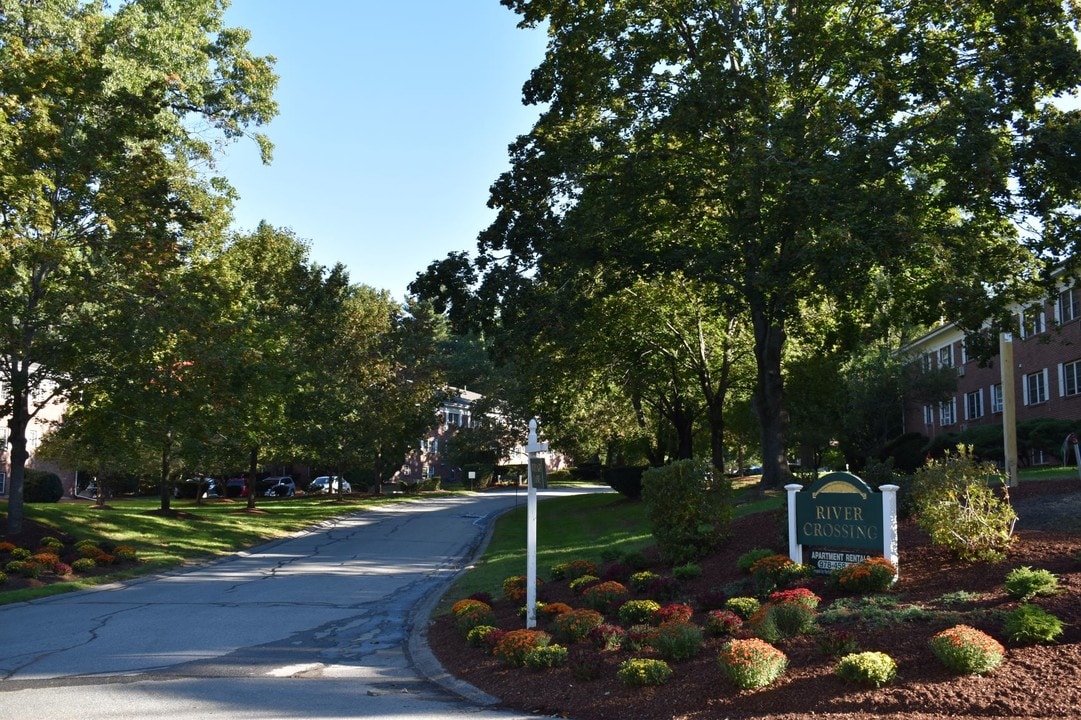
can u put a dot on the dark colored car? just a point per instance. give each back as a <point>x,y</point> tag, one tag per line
<point>199,487</point>
<point>236,487</point>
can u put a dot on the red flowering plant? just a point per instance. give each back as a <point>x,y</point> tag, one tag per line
<point>800,595</point>
<point>722,622</point>
<point>673,611</point>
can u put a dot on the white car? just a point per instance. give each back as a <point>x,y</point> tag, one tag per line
<point>278,486</point>
<point>327,484</point>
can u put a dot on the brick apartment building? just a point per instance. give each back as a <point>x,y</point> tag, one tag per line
<point>1047,371</point>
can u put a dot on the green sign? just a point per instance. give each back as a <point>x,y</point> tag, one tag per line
<point>839,510</point>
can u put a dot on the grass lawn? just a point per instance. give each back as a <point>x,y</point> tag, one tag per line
<point>191,533</point>
<point>580,527</point>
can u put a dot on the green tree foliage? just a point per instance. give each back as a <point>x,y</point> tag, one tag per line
<point>793,156</point>
<point>103,117</point>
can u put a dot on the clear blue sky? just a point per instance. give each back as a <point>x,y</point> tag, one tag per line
<point>394,120</point>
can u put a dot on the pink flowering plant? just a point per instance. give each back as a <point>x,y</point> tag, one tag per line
<point>722,622</point>
<point>800,595</point>
<point>673,611</point>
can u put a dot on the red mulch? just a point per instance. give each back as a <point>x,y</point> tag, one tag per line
<point>1033,682</point>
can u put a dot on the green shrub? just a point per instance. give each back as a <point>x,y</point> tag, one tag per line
<point>967,650</point>
<point>1030,625</point>
<point>50,542</point>
<point>677,641</point>
<point>745,607</point>
<point>690,571</point>
<point>83,565</point>
<point>634,559</point>
<point>575,625</point>
<point>638,637</point>
<point>572,570</point>
<point>1024,583</point>
<point>625,480</point>
<point>747,560</point>
<point>42,487</point>
<point>478,636</point>
<point>638,612</point>
<point>751,663</point>
<point>640,672</point>
<point>547,656</point>
<point>869,668</point>
<point>956,506</point>
<point>792,618</point>
<point>23,568</point>
<point>21,554</point>
<point>836,643</point>
<point>3,578</point>
<point>86,543</point>
<point>688,508</point>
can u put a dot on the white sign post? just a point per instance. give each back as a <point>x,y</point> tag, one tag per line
<point>532,448</point>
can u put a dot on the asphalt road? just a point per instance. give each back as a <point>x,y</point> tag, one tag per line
<point>326,624</point>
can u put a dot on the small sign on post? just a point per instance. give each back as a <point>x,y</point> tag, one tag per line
<point>532,448</point>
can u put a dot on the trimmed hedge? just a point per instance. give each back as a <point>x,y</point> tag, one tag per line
<point>42,487</point>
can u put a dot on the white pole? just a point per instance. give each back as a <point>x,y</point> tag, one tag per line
<point>532,449</point>
<point>889,526</point>
<point>795,550</point>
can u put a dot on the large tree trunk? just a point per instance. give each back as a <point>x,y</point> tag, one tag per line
<point>20,418</point>
<point>768,399</point>
<point>166,471</point>
<point>253,467</point>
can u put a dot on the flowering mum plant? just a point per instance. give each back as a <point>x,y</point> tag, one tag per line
<point>6,547</point>
<point>751,663</point>
<point>673,611</point>
<point>551,610</point>
<point>871,668</point>
<point>575,625</point>
<point>602,596</point>
<point>573,569</point>
<point>514,645</point>
<point>546,656</point>
<point>640,580</point>
<point>462,605</point>
<point>801,595</point>
<point>745,607</point>
<point>514,588</point>
<point>637,612</point>
<point>722,622</point>
<point>967,650</point>
<point>478,636</point>
<point>607,637</point>
<point>644,671</point>
<point>873,575</point>
<point>579,584</point>
<point>472,616</point>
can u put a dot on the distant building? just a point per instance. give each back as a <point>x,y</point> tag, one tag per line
<point>1047,373</point>
<point>431,457</point>
<point>49,411</point>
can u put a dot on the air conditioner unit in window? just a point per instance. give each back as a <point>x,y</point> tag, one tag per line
<point>960,371</point>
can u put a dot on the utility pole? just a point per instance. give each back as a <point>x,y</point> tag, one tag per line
<point>1009,406</point>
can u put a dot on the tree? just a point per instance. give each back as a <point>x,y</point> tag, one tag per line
<point>104,116</point>
<point>789,153</point>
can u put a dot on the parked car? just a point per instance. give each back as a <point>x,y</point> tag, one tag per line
<point>236,487</point>
<point>278,486</point>
<point>328,484</point>
<point>198,487</point>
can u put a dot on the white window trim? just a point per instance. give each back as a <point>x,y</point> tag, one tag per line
<point>978,392</point>
<point>1024,388</point>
